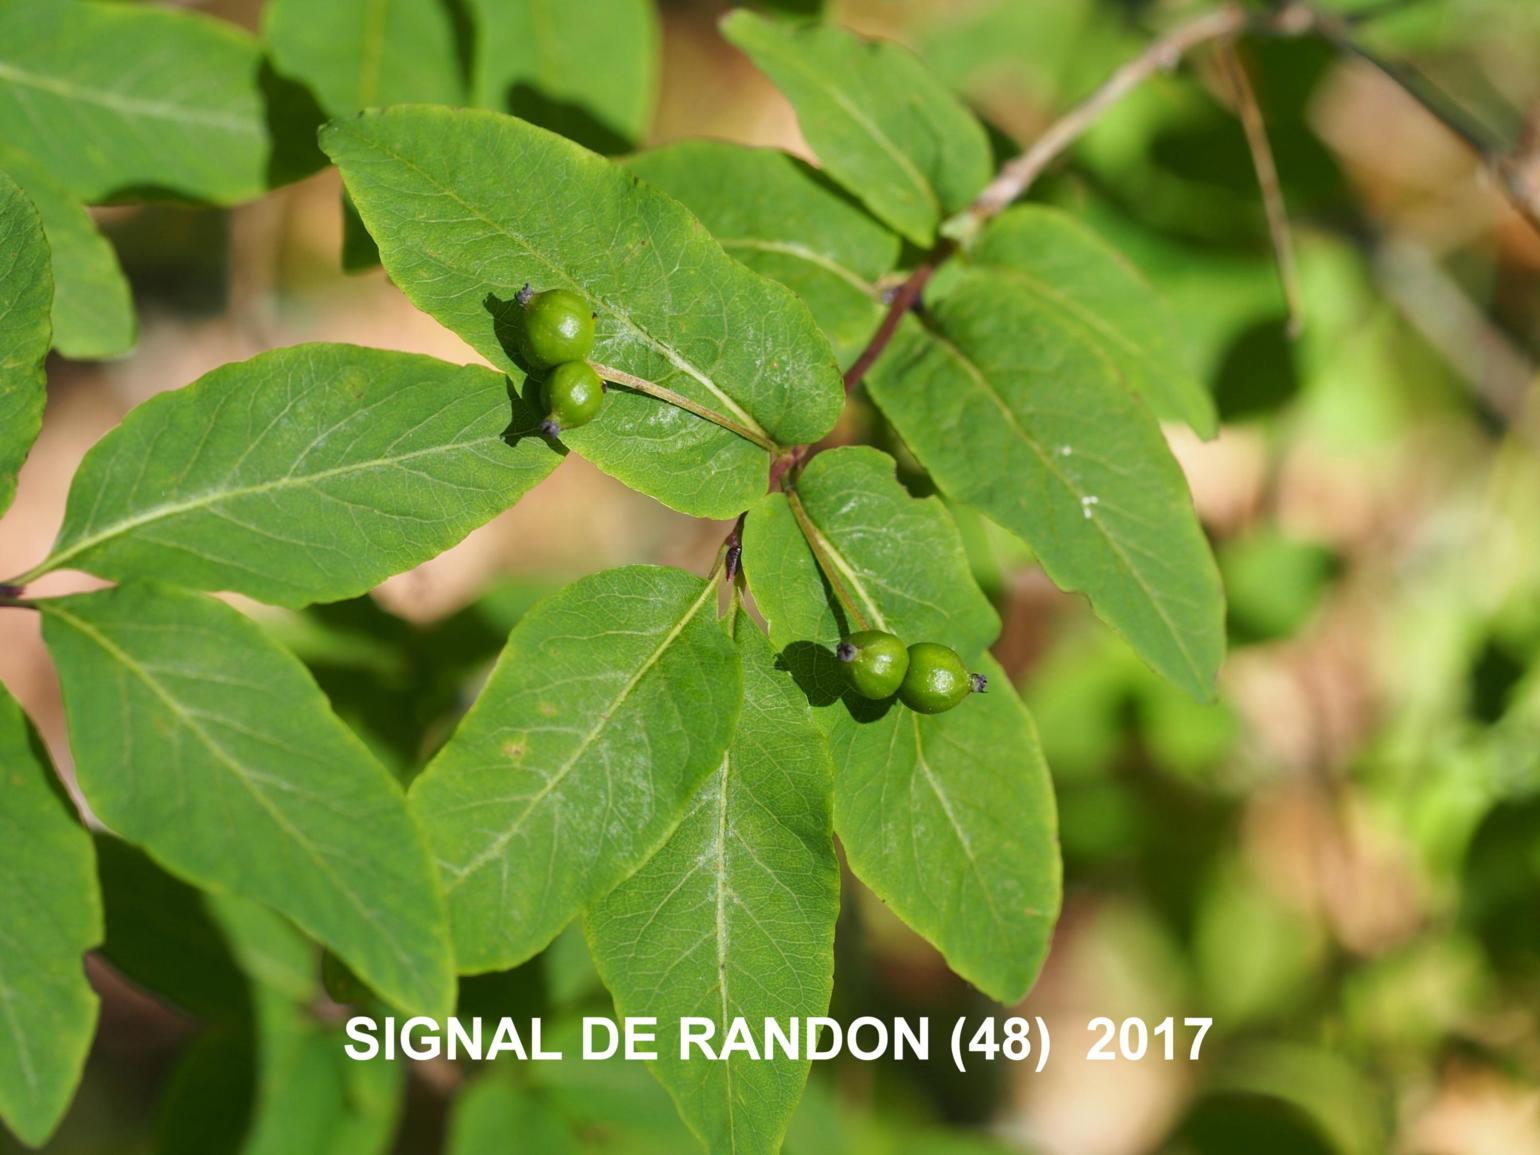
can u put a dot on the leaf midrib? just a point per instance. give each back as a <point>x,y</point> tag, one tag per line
<point>214,498</point>
<point>857,586</point>
<point>803,253</point>
<point>497,845</point>
<point>722,934</point>
<point>371,56</point>
<point>963,841</point>
<point>129,106</point>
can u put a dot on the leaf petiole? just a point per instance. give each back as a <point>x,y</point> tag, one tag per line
<point>815,543</point>
<point>653,389</point>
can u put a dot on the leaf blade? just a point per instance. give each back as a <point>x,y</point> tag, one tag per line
<point>364,53</point>
<point>672,307</point>
<point>51,916</point>
<point>882,125</point>
<point>26,298</point>
<point>775,215</point>
<point>967,814</point>
<point>1083,280</point>
<point>1087,478</point>
<point>304,474</point>
<point>755,851</point>
<point>621,652</point>
<point>593,80</point>
<point>79,101</point>
<point>918,800</point>
<point>325,837</point>
<point>93,309</point>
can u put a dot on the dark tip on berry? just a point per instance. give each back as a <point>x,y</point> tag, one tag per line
<point>550,427</point>
<point>845,652</point>
<point>734,560</point>
<point>978,682</point>
<point>10,591</point>
<point>523,295</point>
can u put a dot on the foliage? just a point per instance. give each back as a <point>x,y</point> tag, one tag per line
<point>665,776</point>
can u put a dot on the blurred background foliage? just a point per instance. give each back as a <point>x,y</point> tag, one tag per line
<point>1339,861</point>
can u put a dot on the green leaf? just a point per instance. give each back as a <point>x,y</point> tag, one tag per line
<point>1085,283</point>
<point>198,738</point>
<point>613,700</point>
<point>311,1096</point>
<point>735,915</point>
<point>51,916</point>
<point>618,1100</point>
<point>303,474</point>
<point>357,54</point>
<point>882,125</point>
<point>1011,413</point>
<point>899,557</point>
<point>494,1109</point>
<point>160,936</point>
<point>781,219</point>
<point>26,295</point>
<point>130,99</point>
<point>591,76</point>
<point>950,820</point>
<point>93,310</point>
<point>205,1108</point>
<point>432,185</point>
<point>267,947</point>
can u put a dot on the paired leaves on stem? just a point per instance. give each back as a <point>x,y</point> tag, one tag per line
<point>948,818</point>
<point>610,705</point>
<point>440,191</point>
<point>735,915</point>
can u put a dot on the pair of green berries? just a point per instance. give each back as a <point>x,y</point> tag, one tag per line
<point>558,334</point>
<point>928,677</point>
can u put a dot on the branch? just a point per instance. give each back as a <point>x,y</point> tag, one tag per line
<point>1515,171</point>
<point>1517,174</point>
<point>1250,114</point>
<point>904,298</point>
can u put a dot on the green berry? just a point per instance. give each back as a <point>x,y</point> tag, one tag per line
<point>875,661</point>
<point>574,395</point>
<point>937,680</point>
<point>558,327</point>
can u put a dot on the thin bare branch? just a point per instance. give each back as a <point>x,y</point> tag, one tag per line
<point>1161,56</point>
<point>1250,114</point>
<point>904,299</point>
<point>1516,170</point>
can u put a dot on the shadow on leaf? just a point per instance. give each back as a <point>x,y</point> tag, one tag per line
<point>567,118</point>
<point>527,410</point>
<point>820,675</point>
